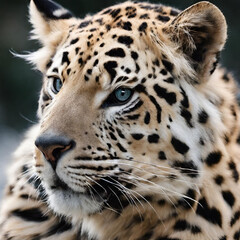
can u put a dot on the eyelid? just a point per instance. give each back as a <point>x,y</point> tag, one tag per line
<point>122,86</point>
<point>53,77</point>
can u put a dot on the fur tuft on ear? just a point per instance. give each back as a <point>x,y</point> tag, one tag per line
<point>48,18</point>
<point>51,23</point>
<point>199,33</point>
<point>52,10</point>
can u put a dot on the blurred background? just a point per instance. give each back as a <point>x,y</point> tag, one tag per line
<point>19,85</point>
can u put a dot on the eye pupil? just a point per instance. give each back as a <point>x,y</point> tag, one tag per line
<point>57,84</point>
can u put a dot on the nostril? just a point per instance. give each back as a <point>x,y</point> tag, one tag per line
<point>53,147</point>
<point>57,153</point>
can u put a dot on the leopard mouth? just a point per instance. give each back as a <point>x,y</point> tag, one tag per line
<point>59,185</point>
<point>65,201</point>
<point>104,193</point>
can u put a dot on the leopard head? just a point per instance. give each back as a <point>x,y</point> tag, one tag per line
<point>126,111</point>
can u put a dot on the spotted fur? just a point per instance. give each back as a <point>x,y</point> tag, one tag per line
<point>162,164</point>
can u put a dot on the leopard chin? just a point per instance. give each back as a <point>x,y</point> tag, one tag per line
<point>66,202</point>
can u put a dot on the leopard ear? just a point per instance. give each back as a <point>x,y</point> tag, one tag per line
<point>47,18</point>
<point>199,33</point>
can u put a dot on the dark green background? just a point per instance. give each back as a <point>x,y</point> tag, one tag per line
<point>19,85</point>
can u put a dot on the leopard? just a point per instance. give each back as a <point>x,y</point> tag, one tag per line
<point>137,135</point>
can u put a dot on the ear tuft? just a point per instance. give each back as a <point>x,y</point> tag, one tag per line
<point>49,19</point>
<point>200,33</point>
<point>52,10</point>
<point>51,24</point>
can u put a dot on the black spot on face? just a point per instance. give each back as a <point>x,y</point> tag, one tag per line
<point>195,229</point>
<point>202,117</point>
<point>113,137</point>
<point>163,72</point>
<point>89,71</point>
<point>95,63</point>
<point>133,117</point>
<point>144,16</point>
<point>55,70</point>
<point>108,27</point>
<point>159,109</point>
<point>213,158</point>
<point>116,52</point>
<point>181,225</point>
<point>188,201</point>
<point>115,12</point>
<point>162,156</point>
<point>121,148</point>
<point>147,118</point>
<point>65,58</point>
<point>137,136</point>
<point>120,134</point>
<point>153,138</point>
<point>109,66</point>
<point>168,65</point>
<point>134,55</point>
<point>170,97</point>
<point>232,167</point>
<point>127,26</point>
<point>163,18</point>
<point>132,15</point>
<point>228,197</point>
<point>211,214</point>
<point>68,71</point>
<point>187,116</point>
<point>235,218</point>
<point>127,70</point>
<point>125,40</point>
<point>219,179</point>
<point>184,101</point>
<point>142,27</point>
<point>77,50</point>
<point>169,80</point>
<point>80,61</point>
<point>179,146</point>
<point>74,41</point>
<point>187,167</point>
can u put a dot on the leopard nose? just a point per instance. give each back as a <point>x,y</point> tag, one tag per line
<point>53,147</point>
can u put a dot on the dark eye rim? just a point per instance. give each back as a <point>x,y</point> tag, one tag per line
<point>112,101</point>
<point>53,87</point>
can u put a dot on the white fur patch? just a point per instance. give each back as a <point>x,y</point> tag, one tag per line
<point>59,12</point>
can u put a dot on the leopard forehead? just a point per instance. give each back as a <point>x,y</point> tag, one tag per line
<point>115,34</point>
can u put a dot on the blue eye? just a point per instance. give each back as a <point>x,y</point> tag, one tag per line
<point>118,97</point>
<point>56,85</point>
<point>123,94</point>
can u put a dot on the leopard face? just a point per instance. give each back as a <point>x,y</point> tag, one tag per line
<point>126,112</point>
